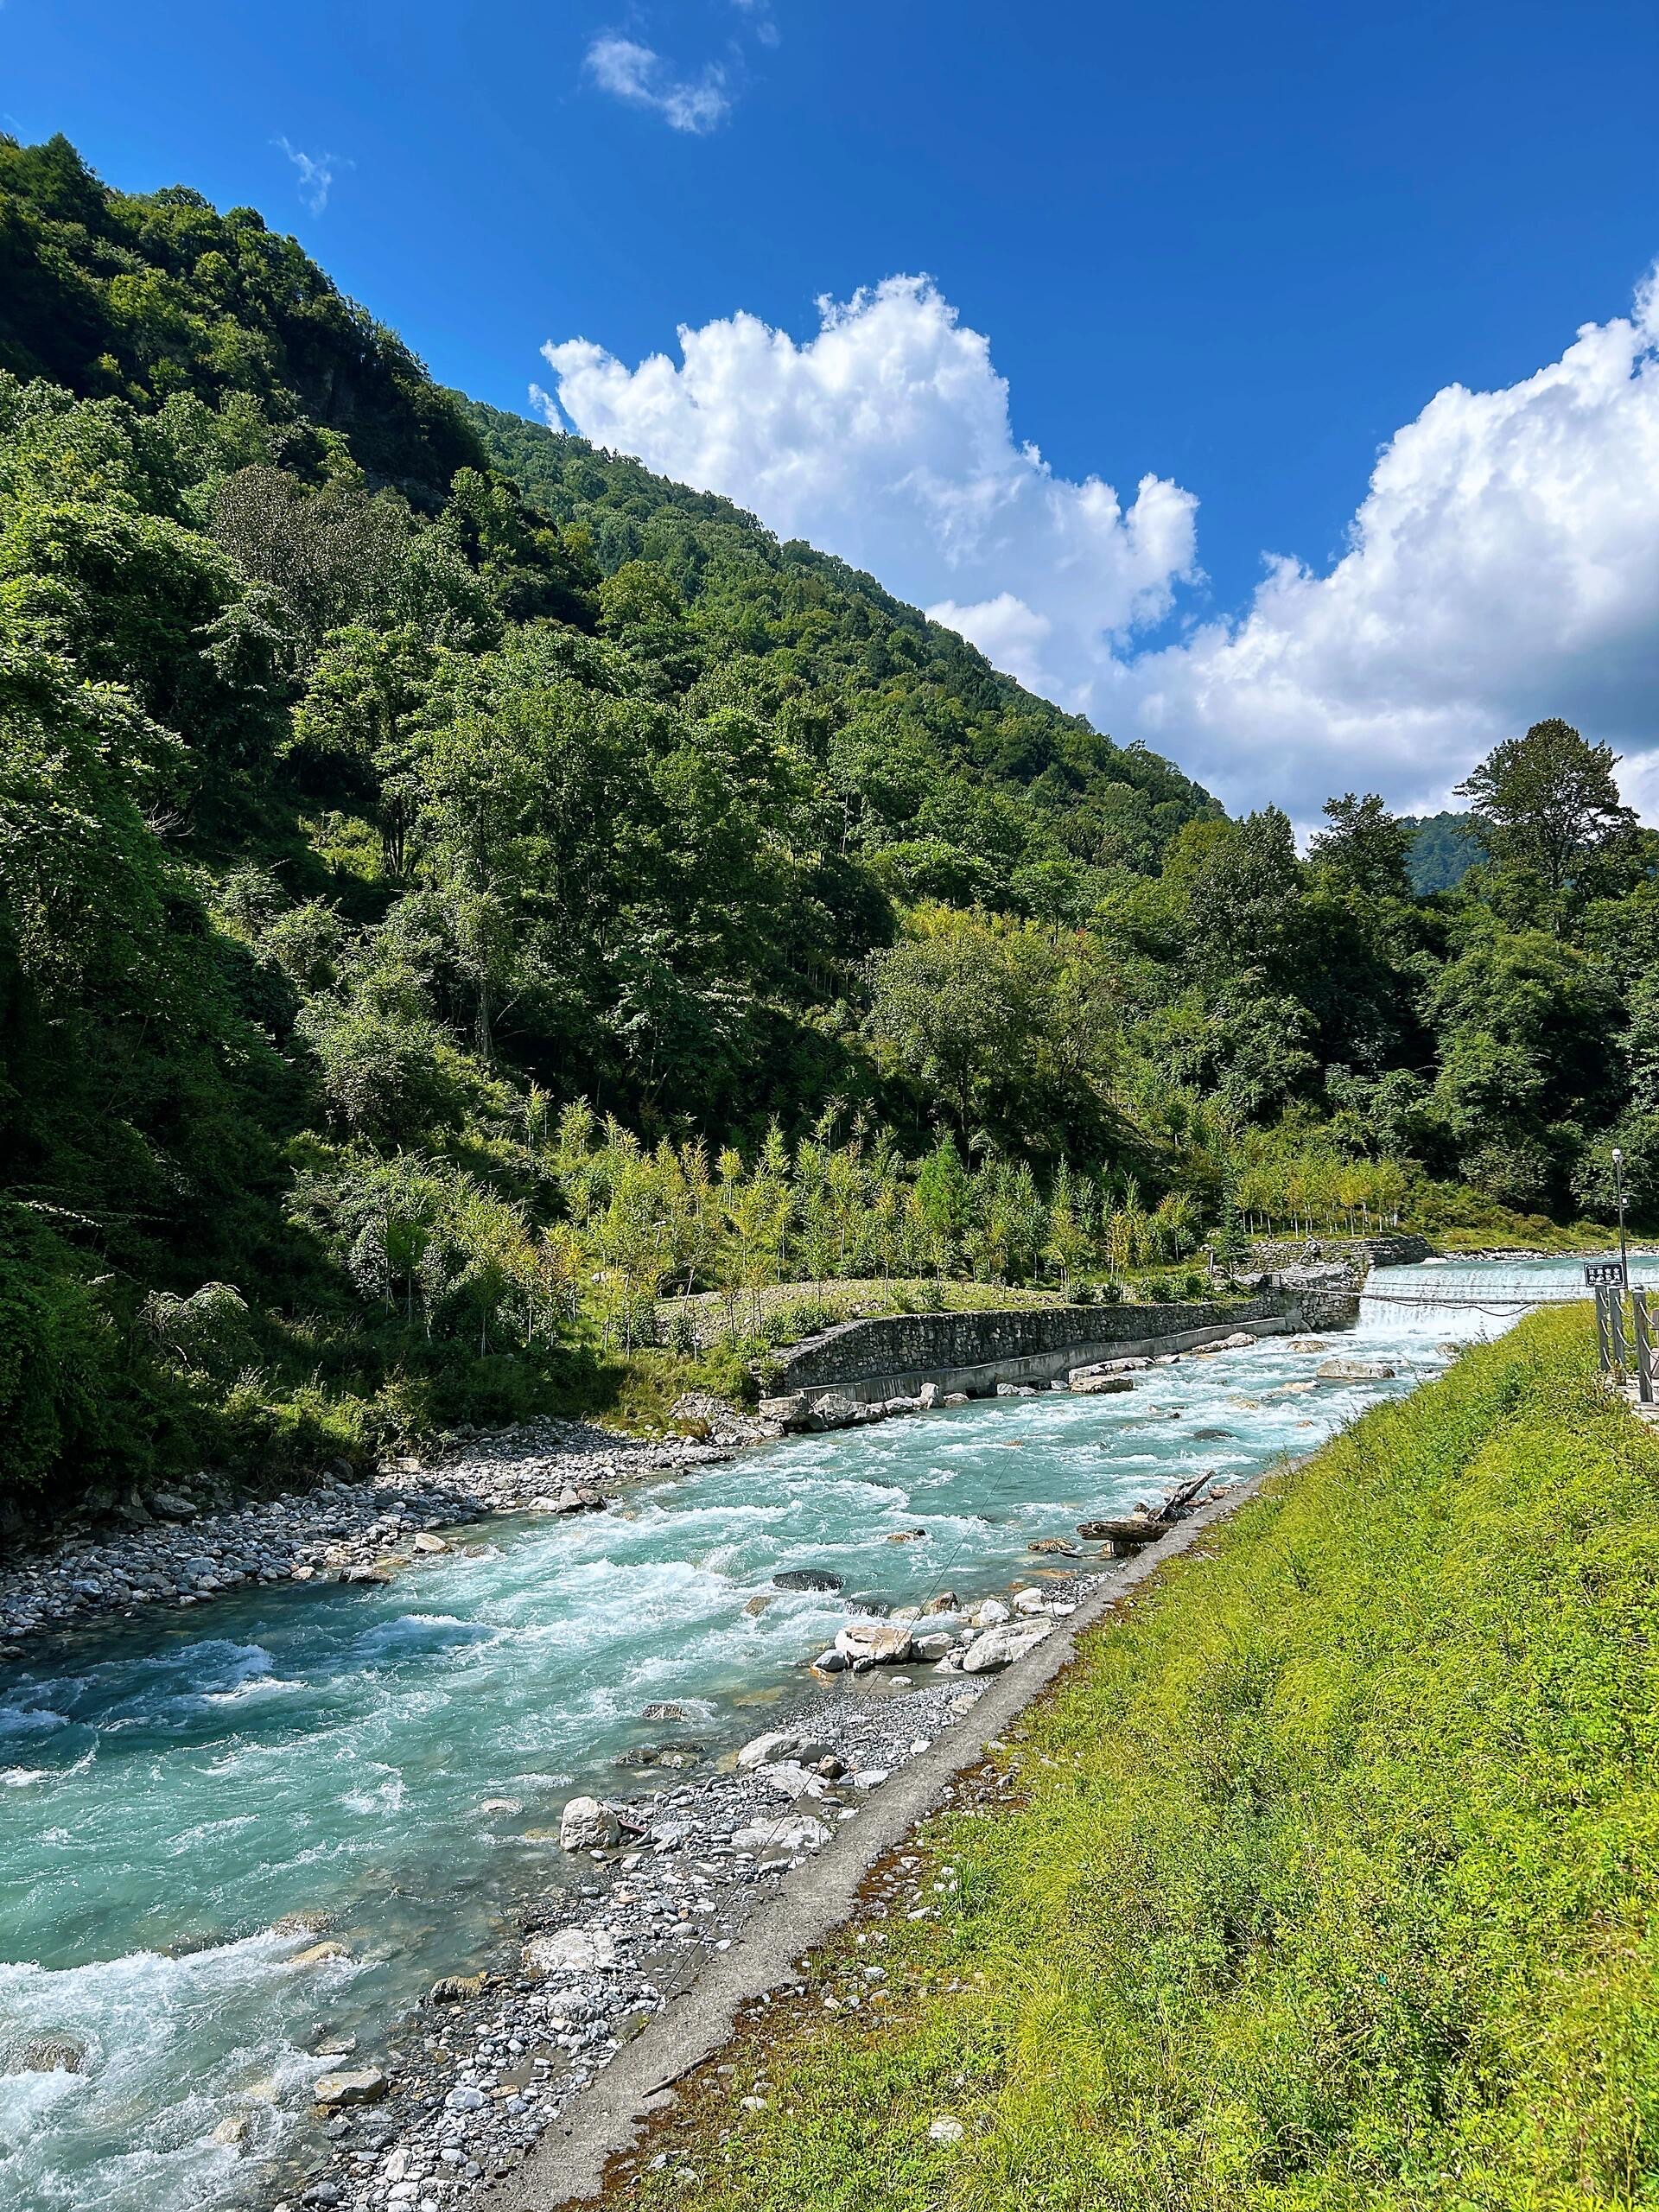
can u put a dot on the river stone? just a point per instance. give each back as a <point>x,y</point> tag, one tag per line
<point>879,1644</point>
<point>790,1779</point>
<point>830,1662</point>
<point>425,1542</point>
<point>1354,1370</point>
<point>307,1921</point>
<point>360,2086</point>
<point>934,1647</point>
<point>318,1954</point>
<point>944,1602</point>
<point>1100,1386</point>
<point>1030,1601</point>
<point>929,1395</point>
<point>44,2055</point>
<point>586,1825</point>
<point>782,1743</point>
<point>569,1951</point>
<point>1000,1647</point>
<point>662,1710</point>
<point>170,1506</point>
<point>790,1831</point>
<point>990,1612</point>
<point>1308,1343</point>
<point>806,1578</point>
<point>833,1410</point>
<point>454,1989</point>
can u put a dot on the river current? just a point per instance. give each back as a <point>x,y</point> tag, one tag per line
<point>173,1789</point>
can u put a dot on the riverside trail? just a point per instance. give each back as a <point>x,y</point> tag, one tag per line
<point>236,1844</point>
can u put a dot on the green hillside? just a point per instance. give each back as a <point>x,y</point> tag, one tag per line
<point>456,887</point>
<point>1445,849</point>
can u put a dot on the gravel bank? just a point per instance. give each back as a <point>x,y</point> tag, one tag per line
<point>492,2061</point>
<point>188,1548</point>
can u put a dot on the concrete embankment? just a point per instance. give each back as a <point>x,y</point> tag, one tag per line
<point>896,1357</point>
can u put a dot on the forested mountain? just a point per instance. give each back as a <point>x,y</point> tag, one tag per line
<point>392,791</point>
<point>1443,850</point>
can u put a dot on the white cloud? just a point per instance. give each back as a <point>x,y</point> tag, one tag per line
<point>886,438</point>
<point>639,75</point>
<point>1503,565</point>
<point>758,12</point>
<point>315,173</point>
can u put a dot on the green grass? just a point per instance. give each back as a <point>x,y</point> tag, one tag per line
<point>1327,1878</point>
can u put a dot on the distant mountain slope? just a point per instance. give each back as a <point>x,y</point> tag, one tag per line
<point>1445,848</point>
<point>837,631</point>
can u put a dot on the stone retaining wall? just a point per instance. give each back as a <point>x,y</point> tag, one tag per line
<point>1403,1250</point>
<point>869,1361</point>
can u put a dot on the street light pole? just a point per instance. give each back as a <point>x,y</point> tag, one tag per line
<point>1618,1185</point>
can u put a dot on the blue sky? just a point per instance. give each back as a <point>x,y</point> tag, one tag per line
<point>1236,251</point>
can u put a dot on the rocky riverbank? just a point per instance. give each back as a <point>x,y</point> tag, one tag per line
<point>491,2060</point>
<point>182,1548</point>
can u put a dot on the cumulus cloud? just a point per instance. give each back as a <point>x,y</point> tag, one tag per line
<point>316,173</point>
<point>886,438</point>
<point>1503,565</point>
<point>639,75</point>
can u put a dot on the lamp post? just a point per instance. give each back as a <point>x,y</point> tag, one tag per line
<point>1618,1186</point>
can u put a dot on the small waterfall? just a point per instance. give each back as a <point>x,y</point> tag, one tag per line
<point>1425,1299</point>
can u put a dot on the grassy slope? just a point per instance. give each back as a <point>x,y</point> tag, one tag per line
<point>1333,1874</point>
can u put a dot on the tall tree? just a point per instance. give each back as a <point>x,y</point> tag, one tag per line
<point>1365,848</point>
<point>1546,801</point>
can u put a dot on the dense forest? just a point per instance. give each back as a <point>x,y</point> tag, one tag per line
<point>456,887</point>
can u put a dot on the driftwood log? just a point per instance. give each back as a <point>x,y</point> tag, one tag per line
<point>1146,1526</point>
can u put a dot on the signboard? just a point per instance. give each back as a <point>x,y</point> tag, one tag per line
<point>1599,1274</point>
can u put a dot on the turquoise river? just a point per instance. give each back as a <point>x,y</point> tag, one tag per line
<point>172,1788</point>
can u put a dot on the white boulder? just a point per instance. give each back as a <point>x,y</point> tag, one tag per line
<point>586,1825</point>
<point>880,1644</point>
<point>1000,1647</point>
<point>790,1831</point>
<point>569,1951</point>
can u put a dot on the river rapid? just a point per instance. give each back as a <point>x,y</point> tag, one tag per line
<point>183,1798</point>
